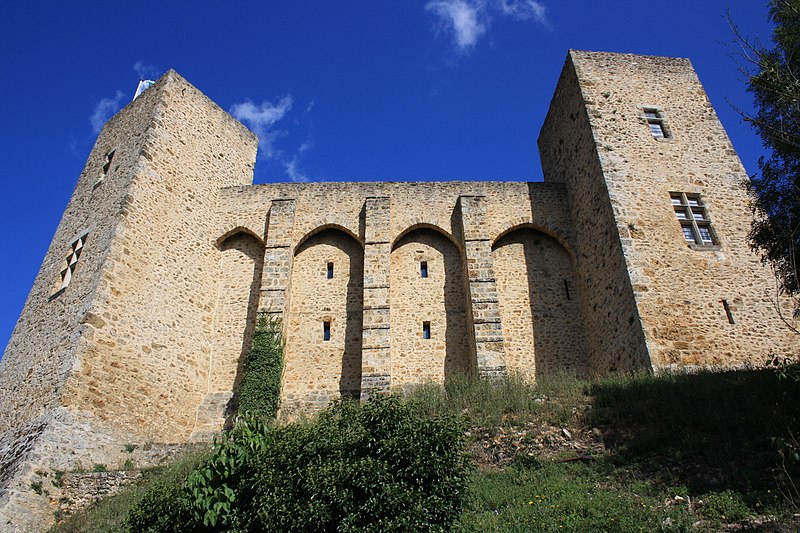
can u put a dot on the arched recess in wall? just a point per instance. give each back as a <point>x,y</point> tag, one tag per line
<point>239,282</point>
<point>430,332</point>
<point>541,310</point>
<point>324,322</point>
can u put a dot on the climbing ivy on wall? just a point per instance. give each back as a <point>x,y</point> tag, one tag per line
<point>261,382</point>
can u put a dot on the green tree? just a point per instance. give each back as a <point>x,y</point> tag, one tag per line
<point>772,75</point>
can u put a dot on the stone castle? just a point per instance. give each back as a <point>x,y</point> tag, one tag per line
<point>631,255</point>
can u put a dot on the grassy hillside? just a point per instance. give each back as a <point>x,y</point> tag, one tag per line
<point>686,452</point>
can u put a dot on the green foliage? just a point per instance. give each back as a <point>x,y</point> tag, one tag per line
<point>772,78</point>
<point>376,467</point>
<point>571,497</point>
<point>164,508</point>
<point>36,486</point>
<point>216,489</point>
<point>58,478</point>
<point>372,467</point>
<point>261,383</point>
<point>99,467</point>
<point>725,505</point>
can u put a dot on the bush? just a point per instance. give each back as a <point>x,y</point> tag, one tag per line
<point>216,489</point>
<point>163,509</point>
<point>372,467</point>
<point>376,467</point>
<point>261,382</point>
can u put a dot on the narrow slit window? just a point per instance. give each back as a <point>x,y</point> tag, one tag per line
<point>426,330</point>
<point>330,270</point>
<point>566,289</point>
<point>728,312</point>
<point>423,269</point>
<point>326,330</point>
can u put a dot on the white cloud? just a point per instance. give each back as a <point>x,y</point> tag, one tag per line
<point>469,20</point>
<point>104,110</point>
<point>261,119</point>
<point>524,10</point>
<point>293,170</point>
<point>144,70</point>
<point>462,18</point>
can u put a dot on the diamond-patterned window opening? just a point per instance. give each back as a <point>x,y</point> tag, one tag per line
<point>106,168</point>
<point>72,259</point>
<point>656,123</point>
<point>691,214</point>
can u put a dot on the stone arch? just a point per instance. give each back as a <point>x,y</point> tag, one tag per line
<point>238,276</point>
<point>440,300</point>
<point>541,312</point>
<point>324,227</point>
<point>416,225</point>
<point>523,223</point>
<point>317,369</point>
<point>239,229</point>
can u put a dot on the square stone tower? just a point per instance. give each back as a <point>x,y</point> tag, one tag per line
<point>657,195</point>
<point>130,271</point>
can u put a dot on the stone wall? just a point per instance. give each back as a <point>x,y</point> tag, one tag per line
<point>326,288</point>
<point>435,304</point>
<point>122,353</point>
<point>541,313</point>
<point>680,288</point>
<point>614,335</point>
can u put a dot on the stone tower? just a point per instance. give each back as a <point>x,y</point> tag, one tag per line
<point>657,197</point>
<point>129,272</point>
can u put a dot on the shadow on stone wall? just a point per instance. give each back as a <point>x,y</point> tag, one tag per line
<point>317,299</point>
<point>350,380</point>
<point>241,252</point>
<point>554,307</point>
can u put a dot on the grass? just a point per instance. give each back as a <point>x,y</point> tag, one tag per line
<point>571,497</point>
<point>674,452</point>
<point>556,401</point>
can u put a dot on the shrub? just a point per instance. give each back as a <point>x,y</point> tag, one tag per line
<point>376,467</point>
<point>163,509</point>
<point>726,505</point>
<point>261,382</point>
<point>372,467</point>
<point>216,489</point>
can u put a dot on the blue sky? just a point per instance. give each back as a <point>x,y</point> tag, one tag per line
<point>349,90</point>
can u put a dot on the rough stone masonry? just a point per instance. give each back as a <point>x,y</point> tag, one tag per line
<point>631,255</point>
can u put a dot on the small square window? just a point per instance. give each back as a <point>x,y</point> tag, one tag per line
<point>423,269</point>
<point>655,120</point>
<point>326,330</point>
<point>330,270</point>
<point>426,330</point>
<point>692,215</point>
